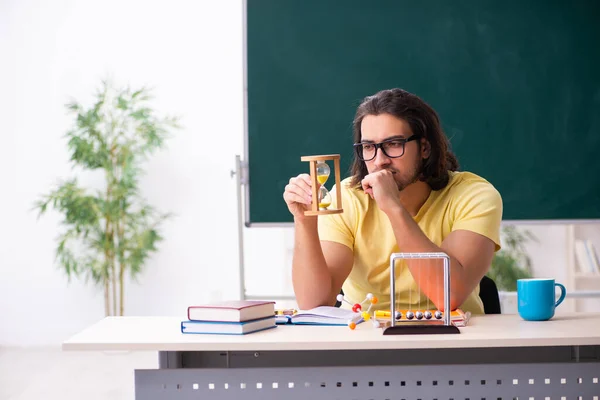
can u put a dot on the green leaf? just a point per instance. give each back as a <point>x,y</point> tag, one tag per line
<point>122,104</point>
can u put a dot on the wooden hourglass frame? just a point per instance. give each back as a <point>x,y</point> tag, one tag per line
<point>314,160</point>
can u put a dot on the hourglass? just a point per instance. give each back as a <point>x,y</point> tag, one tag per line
<point>319,174</point>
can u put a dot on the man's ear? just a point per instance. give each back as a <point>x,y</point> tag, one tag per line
<point>425,148</point>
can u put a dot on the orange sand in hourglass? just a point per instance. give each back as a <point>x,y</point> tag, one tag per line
<point>323,172</point>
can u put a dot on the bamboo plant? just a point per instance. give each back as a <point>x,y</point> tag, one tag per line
<point>512,262</point>
<point>109,231</point>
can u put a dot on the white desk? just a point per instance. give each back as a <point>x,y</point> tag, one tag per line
<point>496,356</point>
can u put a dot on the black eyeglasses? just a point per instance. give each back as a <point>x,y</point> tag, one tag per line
<point>393,148</point>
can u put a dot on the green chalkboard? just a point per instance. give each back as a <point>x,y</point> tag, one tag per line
<point>516,84</point>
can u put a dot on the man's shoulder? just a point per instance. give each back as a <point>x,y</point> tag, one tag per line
<point>467,186</point>
<point>461,181</point>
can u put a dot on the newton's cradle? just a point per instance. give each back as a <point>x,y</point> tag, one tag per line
<point>419,321</point>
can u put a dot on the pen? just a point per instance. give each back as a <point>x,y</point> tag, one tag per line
<point>380,313</point>
<point>286,311</point>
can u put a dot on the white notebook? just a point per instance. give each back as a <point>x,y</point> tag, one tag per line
<point>325,315</point>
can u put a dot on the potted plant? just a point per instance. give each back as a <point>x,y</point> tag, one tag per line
<point>109,231</point>
<point>512,261</point>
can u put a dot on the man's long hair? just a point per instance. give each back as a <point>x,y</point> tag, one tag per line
<point>423,121</point>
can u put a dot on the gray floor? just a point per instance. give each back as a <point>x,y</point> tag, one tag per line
<point>49,373</point>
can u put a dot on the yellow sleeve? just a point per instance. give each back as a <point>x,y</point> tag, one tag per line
<point>479,209</point>
<point>337,227</point>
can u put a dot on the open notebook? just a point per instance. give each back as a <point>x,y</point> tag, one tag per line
<point>323,315</point>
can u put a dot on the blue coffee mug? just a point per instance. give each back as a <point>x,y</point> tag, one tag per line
<point>537,298</point>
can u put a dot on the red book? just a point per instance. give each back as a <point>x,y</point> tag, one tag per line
<point>232,311</point>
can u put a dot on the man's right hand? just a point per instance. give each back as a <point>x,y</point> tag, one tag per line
<point>298,195</point>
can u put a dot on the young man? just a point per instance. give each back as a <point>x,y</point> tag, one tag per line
<point>405,195</point>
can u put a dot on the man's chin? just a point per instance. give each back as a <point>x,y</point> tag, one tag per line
<point>403,185</point>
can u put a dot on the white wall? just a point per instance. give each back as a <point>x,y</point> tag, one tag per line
<point>191,53</point>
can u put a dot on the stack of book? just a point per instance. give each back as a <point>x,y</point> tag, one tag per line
<point>230,317</point>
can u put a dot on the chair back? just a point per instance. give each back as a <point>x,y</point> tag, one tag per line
<point>488,292</point>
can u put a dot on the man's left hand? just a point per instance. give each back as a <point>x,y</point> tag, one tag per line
<point>382,187</point>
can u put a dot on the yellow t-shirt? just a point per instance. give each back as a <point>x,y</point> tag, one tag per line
<point>468,202</point>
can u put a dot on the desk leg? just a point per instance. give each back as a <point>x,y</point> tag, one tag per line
<point>169,360</point>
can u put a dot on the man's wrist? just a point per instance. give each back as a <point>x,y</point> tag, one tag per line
<point>306,221</point>
<point>395,211</point>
